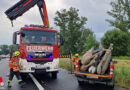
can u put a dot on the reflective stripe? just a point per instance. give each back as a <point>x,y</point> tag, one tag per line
<point>9,81</point>
<point>111,72</point>
<point>19,80</point>
<point>15,64</point>
<point>111,69</point>
<point>16,69</point>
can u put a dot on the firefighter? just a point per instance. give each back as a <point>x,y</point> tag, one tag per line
<point>14,68</point>
<point>76,59</point>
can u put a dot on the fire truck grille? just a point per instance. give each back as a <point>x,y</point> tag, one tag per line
<point>34,55</point>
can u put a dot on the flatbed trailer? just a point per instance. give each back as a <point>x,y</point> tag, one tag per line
<point>86,77</point>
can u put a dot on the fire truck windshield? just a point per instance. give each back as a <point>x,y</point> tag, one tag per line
<point>39,37</point>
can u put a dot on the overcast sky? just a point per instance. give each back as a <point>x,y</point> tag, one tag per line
<point>94,10</point>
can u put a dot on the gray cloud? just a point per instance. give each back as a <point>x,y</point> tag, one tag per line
<point>94,10</point>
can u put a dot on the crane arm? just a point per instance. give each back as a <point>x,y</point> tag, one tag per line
<point>23,6</point>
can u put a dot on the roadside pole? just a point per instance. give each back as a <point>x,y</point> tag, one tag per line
<point>71,59</point>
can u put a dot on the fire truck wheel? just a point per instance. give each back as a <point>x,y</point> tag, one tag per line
<point>24,76</point>
<point>54,75</point>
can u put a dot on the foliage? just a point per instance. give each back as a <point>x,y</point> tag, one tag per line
<point>91,42</point>
<point>4,49</point>
<point>122,75</point>
<point>13,48</point>
<point>122,58</point>
<point>121,14</point>
<point>120,41</point>
<point>121,17</point>
<point>66,64</point>
<point>72,28</point>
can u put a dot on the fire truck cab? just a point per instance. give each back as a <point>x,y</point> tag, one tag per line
<point>39,49</point>
<point>38,44</point>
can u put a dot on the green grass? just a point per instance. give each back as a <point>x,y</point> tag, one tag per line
<point>122,71</point>
<point>122,58</point>
<point>122,76</point>
<point>66,64</point>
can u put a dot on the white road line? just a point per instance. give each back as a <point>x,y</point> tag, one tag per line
<point>36,82</point>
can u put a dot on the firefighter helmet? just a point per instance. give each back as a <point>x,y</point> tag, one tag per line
<point>16,53</point>
<point>76,55</point>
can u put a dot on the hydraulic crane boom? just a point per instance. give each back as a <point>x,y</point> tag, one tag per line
<point>24,5</point>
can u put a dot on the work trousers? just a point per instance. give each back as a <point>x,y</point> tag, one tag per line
<point>12,73</point>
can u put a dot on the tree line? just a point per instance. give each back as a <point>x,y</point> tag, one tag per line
<point>4,49</point>
<point>79,39</point>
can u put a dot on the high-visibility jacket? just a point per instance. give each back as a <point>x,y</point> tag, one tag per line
<point>76,59</point>
<point>14,64</point>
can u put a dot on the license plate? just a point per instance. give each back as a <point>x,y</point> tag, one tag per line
<point>96,77</point>
<point>39,66</point>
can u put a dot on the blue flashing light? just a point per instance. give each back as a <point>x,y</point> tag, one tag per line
<point>30,56</point>
<point>50,56</point>
<point>26,26</point>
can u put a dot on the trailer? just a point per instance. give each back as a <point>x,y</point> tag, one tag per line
<point>88,78</point>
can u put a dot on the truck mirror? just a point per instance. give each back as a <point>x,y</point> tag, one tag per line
<point>22,34</point>
<point>14,37</point>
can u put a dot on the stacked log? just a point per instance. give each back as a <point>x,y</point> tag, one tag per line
<point>96,61</point>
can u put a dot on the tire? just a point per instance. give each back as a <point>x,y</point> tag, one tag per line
<point>80,83</point>
<point>111,84</point>
<point>54,75</point>
<point>24,76</point>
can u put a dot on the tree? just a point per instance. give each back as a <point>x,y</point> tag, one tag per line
<point>71,27</point>
<point>13,48</point>
<point>121,14</point>
<point>91,42</point>
<point>119,39</point>
<point>4,49</point>
<point>82,44</point>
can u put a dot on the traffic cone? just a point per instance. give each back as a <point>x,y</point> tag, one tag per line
<point>1,82</point>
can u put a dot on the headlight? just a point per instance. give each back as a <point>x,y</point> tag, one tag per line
<point>24,67</point>
<point>55,66</point>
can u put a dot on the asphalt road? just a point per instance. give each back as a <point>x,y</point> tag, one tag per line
<point>65,81</point>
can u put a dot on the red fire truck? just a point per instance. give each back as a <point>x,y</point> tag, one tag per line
<point>38,44</point>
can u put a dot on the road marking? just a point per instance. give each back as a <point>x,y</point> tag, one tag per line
<point>36,82</point>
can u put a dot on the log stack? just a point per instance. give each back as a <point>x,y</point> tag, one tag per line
<point>96,61</point>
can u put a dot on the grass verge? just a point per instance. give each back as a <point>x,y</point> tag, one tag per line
<point>122,58</point>
<point>122,76</point>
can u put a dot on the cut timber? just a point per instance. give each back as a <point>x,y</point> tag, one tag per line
<point>103,65</point>
<point>85,67</point>
<point>87,57</point>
